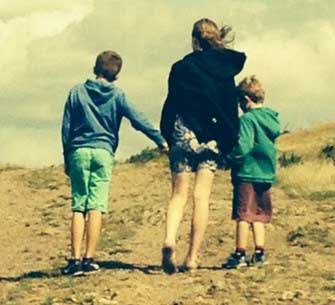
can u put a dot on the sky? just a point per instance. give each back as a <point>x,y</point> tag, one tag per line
<point>47,47</point>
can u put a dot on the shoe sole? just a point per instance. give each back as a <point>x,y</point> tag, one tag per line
<point>75,274</point>
<point>185,269</point>
<point>241,266</point>
<point>258,264</point>
<point>91,272</point>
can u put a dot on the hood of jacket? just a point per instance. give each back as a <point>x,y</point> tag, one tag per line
<point>268,121</point>
<point>99,91</point>
<point>217,63</point>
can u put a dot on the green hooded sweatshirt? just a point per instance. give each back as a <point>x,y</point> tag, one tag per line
<point>253,159</point>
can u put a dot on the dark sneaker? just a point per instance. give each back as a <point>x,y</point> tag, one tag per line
<point>73,268</point>
<point>90,266</point>
<point>168,263</point>
<point>235,261</point>
<point>258,259</point>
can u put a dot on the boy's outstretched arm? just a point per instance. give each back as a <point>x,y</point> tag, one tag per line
<point>66,134</point>
<point>245,143</point>
<point>141,123</point>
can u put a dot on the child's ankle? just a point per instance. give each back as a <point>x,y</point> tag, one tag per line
<point>259,249</point>
<point>86,258</point>
<point>240,251</point>
<point>72,258</point>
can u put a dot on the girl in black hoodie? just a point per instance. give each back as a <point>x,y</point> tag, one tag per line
<point>200,123</point>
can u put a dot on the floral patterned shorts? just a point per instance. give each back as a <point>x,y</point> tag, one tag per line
<point>187,154</point>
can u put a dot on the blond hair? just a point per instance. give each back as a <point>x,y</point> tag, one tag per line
<point>253,88</point>
<point>209,36</point>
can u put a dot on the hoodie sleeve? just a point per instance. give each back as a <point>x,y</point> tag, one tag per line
<point>139,121</point>
<point>66,131</point>
<point>245,143</point>
<point>168,115</point>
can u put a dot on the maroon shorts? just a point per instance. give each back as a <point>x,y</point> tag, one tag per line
<point>252,202</point>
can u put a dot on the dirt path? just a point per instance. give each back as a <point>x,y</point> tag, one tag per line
<point>34,238</point>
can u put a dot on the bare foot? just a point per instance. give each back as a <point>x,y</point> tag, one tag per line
<point>190,265</point>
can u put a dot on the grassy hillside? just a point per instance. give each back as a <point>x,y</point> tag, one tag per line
<point>34,237</point>
<point>311,176</point>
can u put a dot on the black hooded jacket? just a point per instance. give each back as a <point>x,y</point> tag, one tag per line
<point>202,91</point>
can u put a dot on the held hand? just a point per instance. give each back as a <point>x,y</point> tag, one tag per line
<point>165,148</point>
<point>248,99</point>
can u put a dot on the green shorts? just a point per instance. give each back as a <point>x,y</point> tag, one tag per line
<point>90,171</point>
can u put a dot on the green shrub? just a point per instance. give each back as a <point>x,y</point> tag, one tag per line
<point>322,195</point>
<point>286,160</point>
<point>144,156</point>
<point>309,235</point>
<point>7,168</point>
<point>328,152</point>
<point>44,178</point>
<point>295,234</point>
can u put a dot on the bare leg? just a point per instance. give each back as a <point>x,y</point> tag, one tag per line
<point>77,232</point>
<point>180,185</point>
<point>242,234</point>
<point>93,232</point>
<point>201,194</point>
<point>258,229</point>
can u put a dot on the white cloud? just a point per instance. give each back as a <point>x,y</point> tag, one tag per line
<point>17,33</point>
<point>48,46</point>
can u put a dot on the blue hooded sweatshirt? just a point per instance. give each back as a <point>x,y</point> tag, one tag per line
<point>93,114</point>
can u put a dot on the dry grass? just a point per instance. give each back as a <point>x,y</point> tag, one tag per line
<point>35,210</point>
<point>311,180</point>
<point>307,142</point>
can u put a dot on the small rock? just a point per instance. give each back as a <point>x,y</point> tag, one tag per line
<point>89,297</point>
<point>113,295</point>
<point>72,299</point>
<point>262,291</point>
<point>103,301</point>
<point>146,214</point>
<point>46,232</point>
<point>200,300</point>
<point>300,294</point>
<point>221,240</point>
<point>287,296</point>
<point>177,303</point>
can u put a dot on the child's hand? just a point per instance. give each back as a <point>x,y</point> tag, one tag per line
<point>164,148</point>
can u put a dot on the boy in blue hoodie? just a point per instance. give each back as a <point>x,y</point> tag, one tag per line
<point>253,162</point>
<point>90,136</point>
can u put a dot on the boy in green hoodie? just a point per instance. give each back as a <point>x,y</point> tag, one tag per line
<point>253,162</point>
